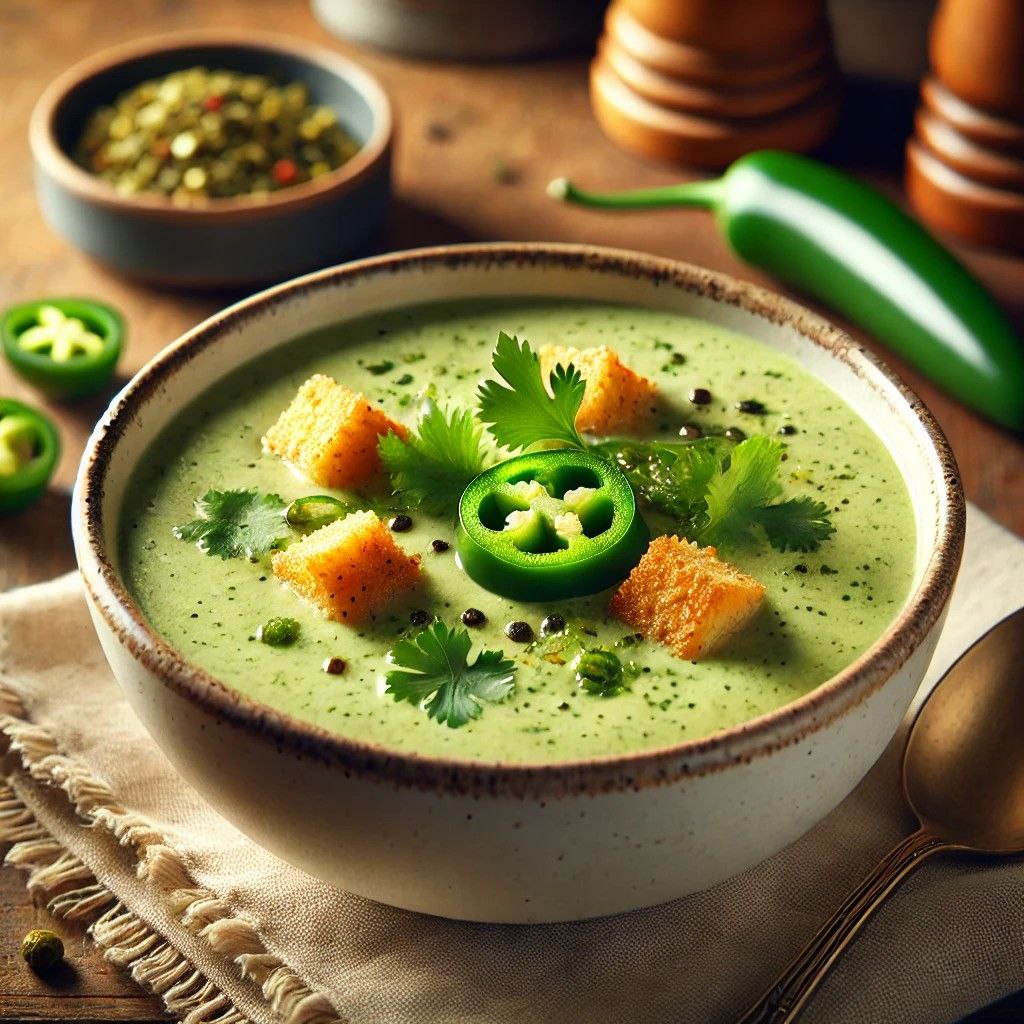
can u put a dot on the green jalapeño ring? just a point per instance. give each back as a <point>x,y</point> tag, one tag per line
<point>549,525</point>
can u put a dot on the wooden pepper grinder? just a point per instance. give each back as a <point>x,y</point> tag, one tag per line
<point>965,163</point>
<point>703,81</point>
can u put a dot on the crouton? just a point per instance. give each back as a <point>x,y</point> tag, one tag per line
<point>684,597</point>
<point>350,569</point>
<point>617,400</point>
<point>330,433</point>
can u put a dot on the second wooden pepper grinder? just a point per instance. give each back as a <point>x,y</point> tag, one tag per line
<point>703,81</point>
<point>965,162</point>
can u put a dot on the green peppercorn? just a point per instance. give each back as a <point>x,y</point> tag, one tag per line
<point>279,632</point>
<point>599,672</point>
<point>42,949</point>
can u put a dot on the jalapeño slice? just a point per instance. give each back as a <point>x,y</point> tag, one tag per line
<point>548,526</point>
<point>29,450</point>
<point>67,348</point>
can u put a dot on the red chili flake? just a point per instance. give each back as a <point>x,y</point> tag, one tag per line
<point>284,171</point>
<point>161,149</point>
<point>213,102</point>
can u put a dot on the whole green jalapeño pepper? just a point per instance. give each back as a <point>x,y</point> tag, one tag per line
<point>67,348</point>
<point>847,245</point>
<point>548,526</point>
<point>29,450</point>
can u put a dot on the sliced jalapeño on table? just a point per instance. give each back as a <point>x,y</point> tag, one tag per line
<point>29,451</point>
<point>66,348</point>
<point>548,526</point>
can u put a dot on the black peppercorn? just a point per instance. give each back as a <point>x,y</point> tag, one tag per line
<point>700,396</point>
<point>419,617</point>
<point>334,666</point>
<point>735,434</point>
<point>400,523</point>
<point>440,546</point>
<point>787,429</point>
<point>800,568</point>
<point>473,617</point>
<point>552,624</point>
<point>690,432</point>
<point>751,406</point>
<point>520,632</point>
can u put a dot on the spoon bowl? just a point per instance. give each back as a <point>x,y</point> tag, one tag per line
<point>963,766</point>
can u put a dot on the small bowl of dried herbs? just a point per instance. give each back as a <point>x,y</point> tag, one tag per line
<point>214,160</point>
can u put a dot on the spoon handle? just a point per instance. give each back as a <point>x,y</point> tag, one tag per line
<point>785,1000</point>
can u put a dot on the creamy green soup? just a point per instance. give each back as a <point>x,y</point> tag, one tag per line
<point>823,608</point>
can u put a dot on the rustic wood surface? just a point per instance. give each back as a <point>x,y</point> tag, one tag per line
<point>476,146</point>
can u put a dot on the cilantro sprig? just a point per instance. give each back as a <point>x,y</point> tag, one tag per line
<point>232,524</point>
<point>520,412</point>
<point>431,468</point>
<point>721,494</point>
<point>433,666</point>
<point>747,481</point>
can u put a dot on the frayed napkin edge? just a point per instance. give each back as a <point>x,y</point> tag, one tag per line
<point>125,939</point>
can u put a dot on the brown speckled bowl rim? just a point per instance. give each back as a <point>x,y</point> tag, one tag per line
<point>744,743</point>
<point>56,163</point>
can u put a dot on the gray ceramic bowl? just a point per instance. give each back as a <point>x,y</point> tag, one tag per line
<point>229,241</point>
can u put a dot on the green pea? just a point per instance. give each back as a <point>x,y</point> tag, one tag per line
<point>42,949</point>
<point>278,632</point>
<point>599,672</point>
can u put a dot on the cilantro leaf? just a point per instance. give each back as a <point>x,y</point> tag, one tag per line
<point>737,491</point>
<point>668,477</point>
<point>799,524</point>
<point>433,666</point>
<point>720,494</point>
<point>520,412</point>
<point>231,524</point>
<point>433,466</point>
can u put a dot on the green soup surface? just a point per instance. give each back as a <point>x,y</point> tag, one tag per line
<point>822,609</point>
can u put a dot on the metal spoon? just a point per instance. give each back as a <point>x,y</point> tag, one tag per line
<point>963,777</point>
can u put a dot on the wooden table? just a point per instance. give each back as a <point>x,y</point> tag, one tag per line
<point>476,146</point>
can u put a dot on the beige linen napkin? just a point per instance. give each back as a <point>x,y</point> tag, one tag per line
<point>226,932</point>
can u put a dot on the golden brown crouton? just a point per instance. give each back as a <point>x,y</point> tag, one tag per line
<point>617,400</point>
<point>331,433</point>
<point>684,597</point>
<point>350,569</point>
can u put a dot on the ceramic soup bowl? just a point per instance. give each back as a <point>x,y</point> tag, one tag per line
<point>505,842</point>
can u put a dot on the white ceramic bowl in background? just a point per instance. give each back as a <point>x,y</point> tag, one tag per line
<point>463,29</point>
<point>500,842</point>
